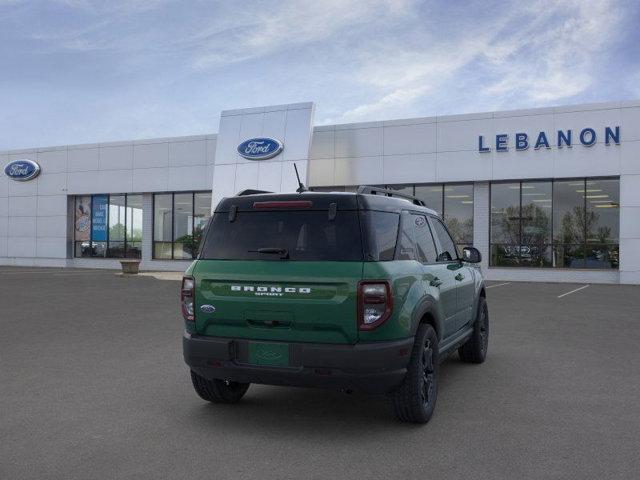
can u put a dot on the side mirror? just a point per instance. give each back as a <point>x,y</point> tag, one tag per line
<point>471,255</point>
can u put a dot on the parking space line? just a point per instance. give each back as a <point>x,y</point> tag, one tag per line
<point>498,285</point>
<point>573,291</point>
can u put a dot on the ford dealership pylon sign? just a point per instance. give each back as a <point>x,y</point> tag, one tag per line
<point>22,170</point>
<point>260,148</point>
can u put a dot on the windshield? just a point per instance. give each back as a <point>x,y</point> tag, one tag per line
<point>284,235</point>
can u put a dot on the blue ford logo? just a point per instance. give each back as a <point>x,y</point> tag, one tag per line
<point>207,308</point>
<point>260,148</point>
<point>22,170</point>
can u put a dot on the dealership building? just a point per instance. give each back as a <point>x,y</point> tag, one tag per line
<point>547,194</point>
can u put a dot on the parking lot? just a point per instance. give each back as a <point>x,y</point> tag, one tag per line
<point>92,385</point>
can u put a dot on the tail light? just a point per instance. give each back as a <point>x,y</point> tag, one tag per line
<point>375,304</point>
<point>187,294</point>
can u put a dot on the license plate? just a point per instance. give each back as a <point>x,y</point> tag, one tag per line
<point>271,354</point>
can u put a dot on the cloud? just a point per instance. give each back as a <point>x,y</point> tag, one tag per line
<point>542,53</point>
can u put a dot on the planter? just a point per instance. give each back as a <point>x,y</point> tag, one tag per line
<point>130,266</point>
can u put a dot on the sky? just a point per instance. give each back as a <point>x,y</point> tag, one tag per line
<point>80,71</point>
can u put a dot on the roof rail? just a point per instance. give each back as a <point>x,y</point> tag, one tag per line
<point>250,191</point>
<point>366,189</point>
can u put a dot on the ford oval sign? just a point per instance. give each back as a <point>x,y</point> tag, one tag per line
<point>260,148</point>
<point>22,170</point>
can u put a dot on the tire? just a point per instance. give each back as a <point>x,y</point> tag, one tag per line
<point>415,399</point>
<point>218,391</point>
<point>475,349</point>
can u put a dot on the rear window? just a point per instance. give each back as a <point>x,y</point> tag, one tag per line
<point>304,235</point>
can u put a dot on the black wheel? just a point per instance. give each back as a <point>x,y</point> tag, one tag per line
<point>218,391</point>
<point>414,400</point>
<point>475,349</point>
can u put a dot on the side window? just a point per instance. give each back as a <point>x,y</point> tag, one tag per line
<point>447,251</point>
<point>406,243</point>
<point>424,241</point>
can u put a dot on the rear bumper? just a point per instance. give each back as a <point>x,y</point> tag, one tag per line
<point>368,367</point>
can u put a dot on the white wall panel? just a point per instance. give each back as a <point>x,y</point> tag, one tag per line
<point>52,161</point>
<point>51,205</point>
<point>246,176</point>
<point>21,246</point>
<point>223,183</point>
<point>151,155</point>
<point>84,182</point>
<point>150,179</point>
<point>630,157</point>
<point>269,176</point>
<point>321,172</point>
<point>4,206</point>
<point>228,140</point>
<point>83,159</point>
<point>52,226</point>
<point>359,171</point>
<point>115,181</point>
<point>51,247</point>
<point>188,153</point>
<point>188,178</point>
<point>358,142</point>
<point>420,138</point>
<point>463,166</point>
<point>22,227</point>
<point>463,135</point>
<point>322,144</point>
<point>297,136</point>
<point>22,206</point>
<point>630,124</point>
<point>22,189</point>
<point>52,183</point>
<point>581,161</point>
<point>408,168</point>
<point>117,157</point>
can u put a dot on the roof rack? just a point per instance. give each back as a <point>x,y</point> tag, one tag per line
<point>251,191</point>
<point>366,189</point>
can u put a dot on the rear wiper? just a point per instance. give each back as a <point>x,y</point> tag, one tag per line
<point>283,252</point>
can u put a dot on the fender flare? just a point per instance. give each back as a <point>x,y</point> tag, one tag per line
<point>426,306</point>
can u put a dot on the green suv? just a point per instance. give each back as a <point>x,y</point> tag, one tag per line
<point>357,291</point>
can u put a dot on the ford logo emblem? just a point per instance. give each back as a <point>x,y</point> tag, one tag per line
<point>260,148</point>
<point>207,308</point>
<point>22,170</point>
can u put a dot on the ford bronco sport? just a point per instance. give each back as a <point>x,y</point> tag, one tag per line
<point>358,291</point>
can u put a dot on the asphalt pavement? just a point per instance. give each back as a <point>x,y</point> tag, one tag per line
<point>93,386</point>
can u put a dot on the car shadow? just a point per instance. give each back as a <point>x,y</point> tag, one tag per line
<point>316,412</point>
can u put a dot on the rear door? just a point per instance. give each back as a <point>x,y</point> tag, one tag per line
<point>280,274</point>
<point>437,275</point>
<point>462,276</point>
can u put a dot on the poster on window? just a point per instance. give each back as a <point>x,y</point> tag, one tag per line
<point>83,219</point>
<point>99,218</point>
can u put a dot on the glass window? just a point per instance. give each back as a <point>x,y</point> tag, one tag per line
<point>447,249</point>
<point>183,226</point>
<point>382,228</point>
<point>431,195</point>
<point>108,226</point>
<point>505,223</point>
<point>564,224</point>
<point>296,235</point>
<point>535,230</point>
<point>603,223</point>
<point>134,226</point>
<point>458,212</point>
<point>569,223</point>
<point>162,225</point>
<point>424,240</point>
<point>407,240</point>
<point>82,226</point>
<point>117,219</point>
<point>179,223</point>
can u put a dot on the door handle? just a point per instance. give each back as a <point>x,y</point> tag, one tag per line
<point>459,277</point>
<point>436,282</point>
